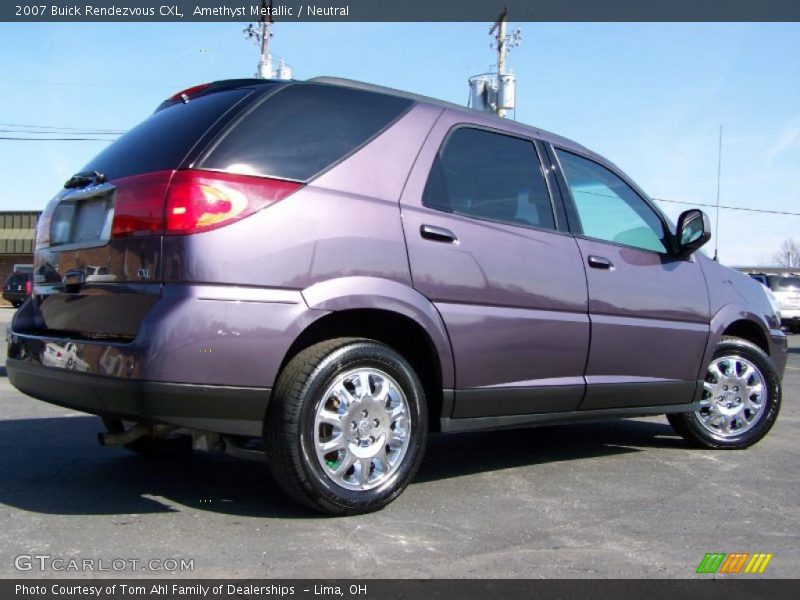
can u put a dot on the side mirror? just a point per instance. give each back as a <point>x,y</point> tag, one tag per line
<point>693,231</point>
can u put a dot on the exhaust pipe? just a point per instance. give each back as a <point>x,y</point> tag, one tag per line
<point>125,437</point>
<point>246,450</point>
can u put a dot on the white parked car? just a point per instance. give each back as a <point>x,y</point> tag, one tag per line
<point>63,356</point>
<point>786,291</point>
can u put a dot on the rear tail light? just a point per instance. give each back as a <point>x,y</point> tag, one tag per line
<point>139,204</point>
<point>43,228</point>
<point>28,287</point>
<point>45,219</point>
<point>204,200</point>
<point>185,202</point>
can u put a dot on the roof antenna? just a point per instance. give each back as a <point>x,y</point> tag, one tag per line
<point>716,219</point>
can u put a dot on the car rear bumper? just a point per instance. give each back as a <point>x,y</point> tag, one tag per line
<point>14,296</point>
<point>204,357</point>
<point>224,409</point>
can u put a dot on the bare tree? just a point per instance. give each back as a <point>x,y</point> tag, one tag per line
<point>788,255</point>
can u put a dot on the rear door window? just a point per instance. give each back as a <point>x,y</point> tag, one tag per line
<point>490,176</point>
<point>302,130</point>
<point>163,140</point>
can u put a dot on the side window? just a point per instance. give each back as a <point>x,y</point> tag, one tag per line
<point>489,176</point>
<point>303,129</point>
<point>608,208</point>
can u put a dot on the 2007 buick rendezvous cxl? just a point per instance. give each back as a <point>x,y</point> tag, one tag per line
<point>341,269</point>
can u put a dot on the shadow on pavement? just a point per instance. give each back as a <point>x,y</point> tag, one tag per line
<point>54,466</point>
<point>456,455</point>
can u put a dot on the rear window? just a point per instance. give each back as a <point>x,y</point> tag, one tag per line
<point>17,278</point>
<point>302,130</point>
<point>164,139</point>
<point>784,284</point>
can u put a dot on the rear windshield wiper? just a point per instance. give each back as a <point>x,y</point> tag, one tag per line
<point>83,179</point>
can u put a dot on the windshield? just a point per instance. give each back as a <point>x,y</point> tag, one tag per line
<point>784,284</point>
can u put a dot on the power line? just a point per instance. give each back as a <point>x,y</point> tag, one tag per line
<point>56,139</point>
<point>81,83</point>
<point>756,210</point>
<point>52,128</point>
<point>36,133</point>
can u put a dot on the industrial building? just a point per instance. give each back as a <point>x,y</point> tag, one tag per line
<point>17,237</point>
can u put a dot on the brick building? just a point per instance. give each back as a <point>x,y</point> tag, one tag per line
<point>17,235</point>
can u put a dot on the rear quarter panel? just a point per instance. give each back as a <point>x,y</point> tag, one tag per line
<point>331,243</point>
<point>344,223</point>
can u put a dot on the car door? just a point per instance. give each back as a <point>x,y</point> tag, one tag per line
<point>649,310</point>
<point>485,246</point>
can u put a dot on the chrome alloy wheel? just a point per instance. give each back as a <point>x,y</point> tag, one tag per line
<point>734,396</point>
<point>362,429</point>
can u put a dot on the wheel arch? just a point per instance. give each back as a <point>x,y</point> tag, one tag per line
<point>389,312</point>
<point>739,322</point>
<point>750,331</point>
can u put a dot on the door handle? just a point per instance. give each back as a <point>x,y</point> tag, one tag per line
<point>600,262</point>
<point>437,234</point>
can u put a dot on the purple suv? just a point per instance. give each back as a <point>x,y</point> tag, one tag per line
<point>339,269</point>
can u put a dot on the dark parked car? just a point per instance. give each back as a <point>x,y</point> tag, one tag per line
<point>18,287</point>
<point>339,269</point>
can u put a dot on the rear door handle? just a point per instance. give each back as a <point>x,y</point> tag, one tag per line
<point>437,234</point>
<point>600,262</point>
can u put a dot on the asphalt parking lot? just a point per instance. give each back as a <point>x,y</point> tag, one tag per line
<point>615,499</point>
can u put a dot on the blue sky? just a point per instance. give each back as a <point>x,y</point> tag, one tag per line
<point>648,96</point>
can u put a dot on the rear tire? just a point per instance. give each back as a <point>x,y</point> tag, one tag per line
<point>741,399</point>
<point>176,445</point>
<point>346,427</point>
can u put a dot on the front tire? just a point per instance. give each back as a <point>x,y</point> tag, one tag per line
<point>347,426</point>
<point>741,399</point>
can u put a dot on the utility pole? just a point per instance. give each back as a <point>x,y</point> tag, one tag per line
<point>261,35</point>
<point>265,64</point>
<point>502,51</point>
<point>496,91</point>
